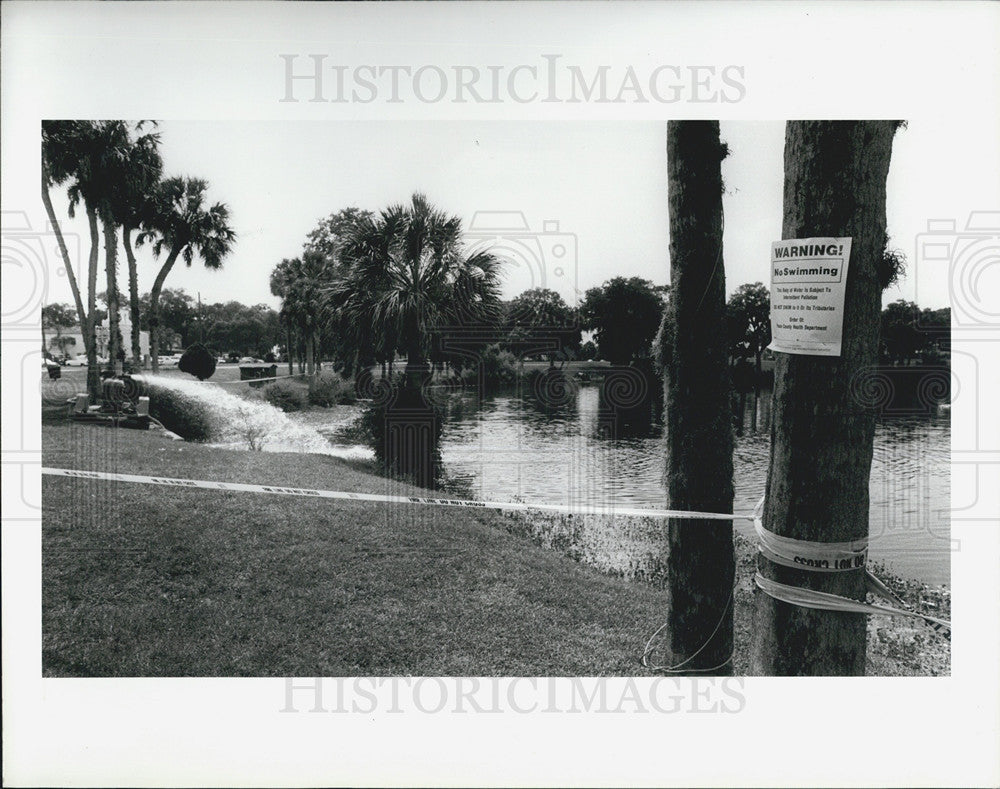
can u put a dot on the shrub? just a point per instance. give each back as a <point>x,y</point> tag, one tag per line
<point>198,361</point>
<point>497,367</point>
<point>328,388</point>
<point>286,395</point>
<point>405,433</point>
<point>187,418</point>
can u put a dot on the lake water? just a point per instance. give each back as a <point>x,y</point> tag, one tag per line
<point>505,447</point>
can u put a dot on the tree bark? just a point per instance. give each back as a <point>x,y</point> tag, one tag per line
<point>699,463</point>
<point>288,345</point>
<point>111,269</point>
<point>756,389</point>
<point>821,435</point>
<point>90,330</point>
<point>416,369</point>
<point>67,263</point>
<point>310,359</point>
<point>133,297</point>
<point>154,309</point>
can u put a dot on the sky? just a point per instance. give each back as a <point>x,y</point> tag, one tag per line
<point>578,202</point>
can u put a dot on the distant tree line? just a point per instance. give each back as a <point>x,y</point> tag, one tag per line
<point>229,328</point>
<point>909,334</point>
<point>369,288</point>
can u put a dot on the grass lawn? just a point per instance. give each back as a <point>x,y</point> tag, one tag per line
<point>151,581</point>
<point>141,580</point>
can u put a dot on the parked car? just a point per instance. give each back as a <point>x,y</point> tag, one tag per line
<point>76,361</point>
<point>250,360</point>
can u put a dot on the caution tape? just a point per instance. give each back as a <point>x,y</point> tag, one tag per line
<point>807,598</point>
<point>827,557</point>
<point>256,380</point>
<point>150,377</point>
<point>389,499</point>
<point>824,601</point>
<point>808,555</point>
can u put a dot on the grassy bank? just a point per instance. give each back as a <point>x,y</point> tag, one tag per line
<point>157,581</point>
<point>141,580</point>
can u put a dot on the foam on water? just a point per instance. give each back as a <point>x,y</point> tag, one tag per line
<point>238,423</point>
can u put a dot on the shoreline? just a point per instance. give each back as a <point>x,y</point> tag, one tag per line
<point>895,648</point>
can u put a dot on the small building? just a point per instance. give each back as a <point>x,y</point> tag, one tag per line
<point>68,342</point>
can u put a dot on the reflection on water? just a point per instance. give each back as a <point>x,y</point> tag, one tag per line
<point>506,446</point>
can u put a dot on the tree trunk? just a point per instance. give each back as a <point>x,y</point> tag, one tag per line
<point>67,263</point>
<point>699,464</point>
<point>133,298</point>
<point>111,268</point>
<point>310,360</point>
<point>416,366</point>
<point>90,331</point>
<point>821,436</point>
<point>288,346</point>
<point>154,309</point>
<point>756,391</point>
<point>415,371</point>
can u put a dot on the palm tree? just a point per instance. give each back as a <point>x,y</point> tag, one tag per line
<point>59,157</point>
<point>126,170</point>
<point>137,173</point>
<point>108,168</point>
<point>178,219</point>
<point>298,282</point>
<point>280,281</point>
<point>408,278</point>
<point>71,155</point>
<point>699,450</point>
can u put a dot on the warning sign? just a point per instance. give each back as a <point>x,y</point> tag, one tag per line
<point>808,281</point>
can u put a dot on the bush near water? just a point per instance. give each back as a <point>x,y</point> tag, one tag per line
<point>328,389</point>
<point>287,395</point>
<point>496,368</point>
<point>405,428</point>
